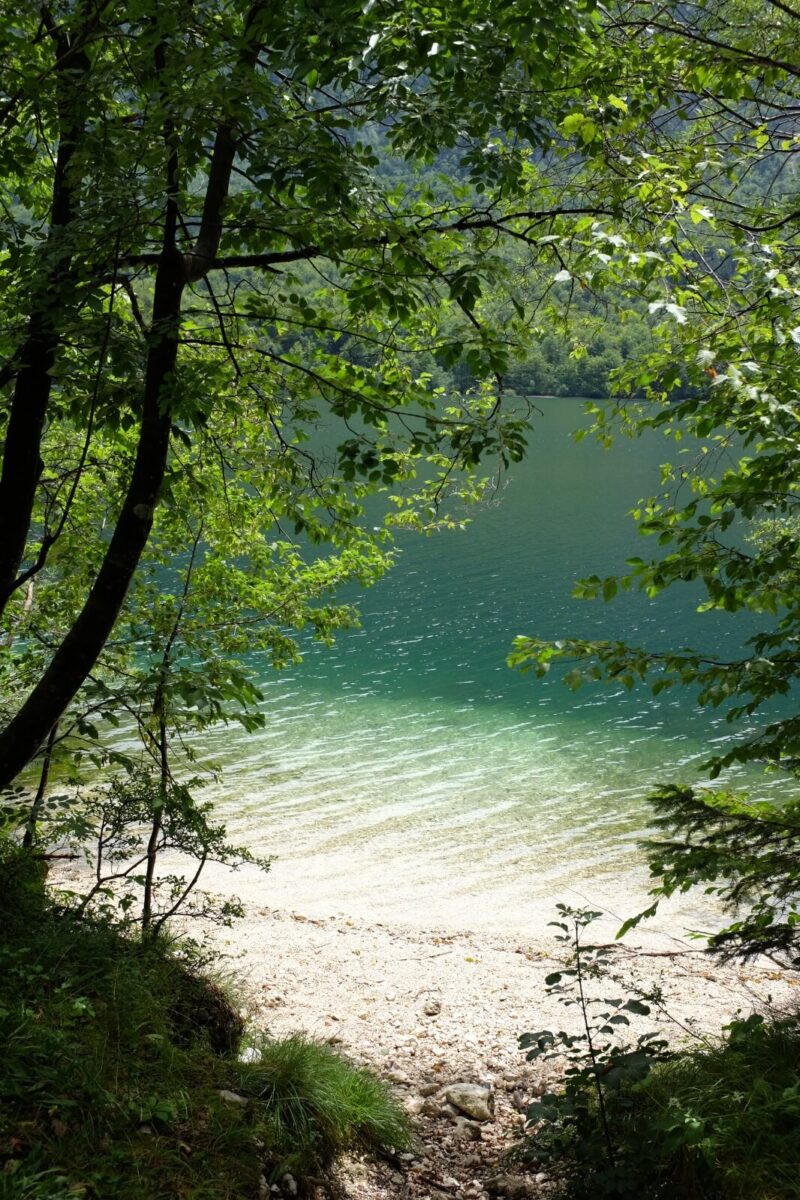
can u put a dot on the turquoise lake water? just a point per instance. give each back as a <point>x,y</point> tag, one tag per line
<point>411,760</point>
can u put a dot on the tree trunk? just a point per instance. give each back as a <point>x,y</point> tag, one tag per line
<point>38,800</point>
<point>84,642</point>
<point>22,463</point>
<point>77,654</point>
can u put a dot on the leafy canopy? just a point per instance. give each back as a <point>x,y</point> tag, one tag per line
<point>702,164</point>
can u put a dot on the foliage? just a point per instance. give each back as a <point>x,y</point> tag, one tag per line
<point>576,1128</point>
<point>123,828</point>
<point>115,1054</point>
<point>744,852</point>
<point>697,175</point>
<point>720,278</point>
<point>717,1122</point>
<point>237,250</point>
<point>580,353</point>
<point>182,196</point>
<point>723,1121</point>
<point>709,167</point>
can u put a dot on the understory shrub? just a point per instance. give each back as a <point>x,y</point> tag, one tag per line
<point>719,1122</point>
<point>637,1120</point>
<point>724,1121</point>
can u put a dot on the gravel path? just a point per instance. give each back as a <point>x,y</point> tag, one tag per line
<point>427,1008</point>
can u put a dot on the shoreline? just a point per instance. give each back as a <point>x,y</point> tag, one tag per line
<point>360,982</point>
<point>409,891</point>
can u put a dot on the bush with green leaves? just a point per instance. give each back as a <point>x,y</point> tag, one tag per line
<point>576,1128</point>
<point>125,829</point>
<point>720,1121</point>
<point>717,1120</point>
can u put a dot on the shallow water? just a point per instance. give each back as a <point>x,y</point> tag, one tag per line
<point>409,770</point>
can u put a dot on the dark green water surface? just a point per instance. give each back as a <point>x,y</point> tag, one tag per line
<point>409,757</point>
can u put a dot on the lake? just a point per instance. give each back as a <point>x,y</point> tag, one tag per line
<point>408,770</point>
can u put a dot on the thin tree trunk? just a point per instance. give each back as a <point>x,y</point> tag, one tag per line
<point>158,820</point>
<point>159,711</point>
<point>84,642</point>
<point>38,800</point>
<point>22,462</point>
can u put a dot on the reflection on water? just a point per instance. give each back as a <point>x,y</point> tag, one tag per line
<point>410,758</point>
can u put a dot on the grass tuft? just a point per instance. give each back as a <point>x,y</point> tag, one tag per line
<point>319,1105</point>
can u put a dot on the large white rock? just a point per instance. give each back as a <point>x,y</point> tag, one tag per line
<point>473,1099</point>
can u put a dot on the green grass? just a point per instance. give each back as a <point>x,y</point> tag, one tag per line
<point>319,1104</point>
<point>114,1055</point>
